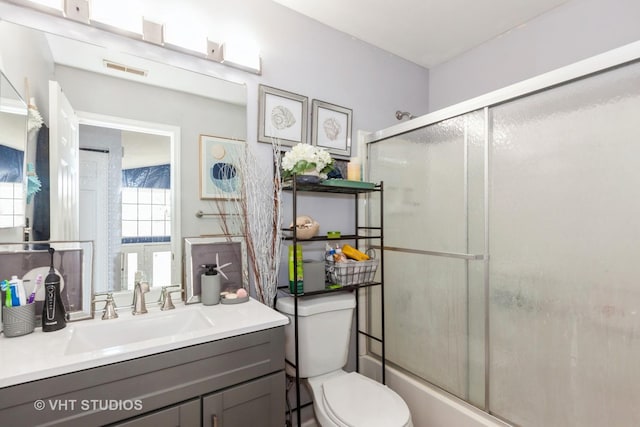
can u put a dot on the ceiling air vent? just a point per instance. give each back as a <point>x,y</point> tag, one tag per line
<point>124,68</point>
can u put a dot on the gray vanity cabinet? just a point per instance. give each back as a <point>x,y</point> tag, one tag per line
<point>255,403</point>
<point>239,380</point>
<point>252,404</point>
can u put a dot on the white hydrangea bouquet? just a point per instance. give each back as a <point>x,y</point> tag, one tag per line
<point>306,159</point>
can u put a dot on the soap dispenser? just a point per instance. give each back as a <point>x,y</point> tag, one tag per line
<point>210,285</point>
<point>53,312</point>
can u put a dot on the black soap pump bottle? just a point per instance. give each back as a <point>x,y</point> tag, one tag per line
<point>53,312</point>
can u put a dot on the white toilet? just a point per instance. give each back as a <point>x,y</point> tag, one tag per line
<point>340,398</point>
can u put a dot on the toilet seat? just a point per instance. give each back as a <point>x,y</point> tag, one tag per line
<point>353,400</point>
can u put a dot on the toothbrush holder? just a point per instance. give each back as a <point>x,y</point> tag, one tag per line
<point>20,320</point>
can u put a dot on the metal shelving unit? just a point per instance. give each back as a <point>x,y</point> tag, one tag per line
<point>362,233</point>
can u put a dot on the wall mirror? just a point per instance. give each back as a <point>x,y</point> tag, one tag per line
<point>127,182</point>
<point>13,140</point>
<point>138,123</point>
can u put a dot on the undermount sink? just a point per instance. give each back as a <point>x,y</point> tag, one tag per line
<point>110,334</point>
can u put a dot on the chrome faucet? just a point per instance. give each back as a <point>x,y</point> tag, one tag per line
<point>165,297</point>
<point>139,289</point>
<point>109,311</point>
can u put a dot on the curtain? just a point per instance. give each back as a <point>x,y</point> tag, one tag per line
<point>147,177</point>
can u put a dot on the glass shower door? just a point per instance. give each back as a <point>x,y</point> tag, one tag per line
<point>564,238</point>
<point>511,272</point>
<point>434,241</point>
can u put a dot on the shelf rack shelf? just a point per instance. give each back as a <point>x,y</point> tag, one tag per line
<point>375,233</point>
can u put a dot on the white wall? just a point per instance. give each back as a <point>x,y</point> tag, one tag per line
<point>306,57</point>
<point>573,31</point>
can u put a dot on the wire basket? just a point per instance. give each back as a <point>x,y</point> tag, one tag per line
<point>352,272</point>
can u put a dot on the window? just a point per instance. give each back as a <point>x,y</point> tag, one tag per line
<point>11,204</point>
<point>146,215</point>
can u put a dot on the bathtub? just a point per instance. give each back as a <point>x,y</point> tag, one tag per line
<point>429,406</point>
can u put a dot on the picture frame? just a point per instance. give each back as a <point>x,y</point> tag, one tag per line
<point>202,250</point>
<point>331,127</point>
<point>220,176</point>
<point>282,115</point>
<point>72,261</point>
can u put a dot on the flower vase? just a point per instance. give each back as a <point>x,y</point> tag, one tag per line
<point>310,176</point>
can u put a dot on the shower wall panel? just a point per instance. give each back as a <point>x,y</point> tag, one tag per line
<point>433,300</point>
<point>564,235</point>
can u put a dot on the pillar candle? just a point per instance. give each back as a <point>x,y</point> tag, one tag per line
<point>353,170</point>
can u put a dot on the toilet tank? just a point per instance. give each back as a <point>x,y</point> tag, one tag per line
<point>324,330</point>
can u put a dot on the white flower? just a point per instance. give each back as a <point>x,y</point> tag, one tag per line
<point>303,157</point>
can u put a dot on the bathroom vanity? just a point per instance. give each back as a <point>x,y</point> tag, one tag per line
<point>198,365</point>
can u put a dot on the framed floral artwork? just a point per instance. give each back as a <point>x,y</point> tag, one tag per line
<point>220,176</point>
<point>331,127</point>
<point>282,115</point>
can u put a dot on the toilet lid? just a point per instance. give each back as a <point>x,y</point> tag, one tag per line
<point>357,401</point>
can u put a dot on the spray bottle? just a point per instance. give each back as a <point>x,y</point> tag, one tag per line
<point>53,312</point>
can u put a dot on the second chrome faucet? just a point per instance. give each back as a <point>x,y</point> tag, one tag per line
<point>140,288</point>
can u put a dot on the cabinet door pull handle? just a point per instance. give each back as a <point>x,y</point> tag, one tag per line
<point>214,420</point>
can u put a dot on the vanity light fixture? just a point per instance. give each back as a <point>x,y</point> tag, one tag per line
<point>215,51</point>
<point>78,10</point>
<point>152,32</point>
<point>237,54</point>
<point>244,56</point>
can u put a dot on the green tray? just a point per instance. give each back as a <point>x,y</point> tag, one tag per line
<point>345,183</point>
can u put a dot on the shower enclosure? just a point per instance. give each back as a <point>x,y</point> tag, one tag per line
<point>512,235</point>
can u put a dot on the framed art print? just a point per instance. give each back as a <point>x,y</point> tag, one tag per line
<point>331,128</point>
<point>282,115</point>
<point>219,167</point>
<point>229,252</point>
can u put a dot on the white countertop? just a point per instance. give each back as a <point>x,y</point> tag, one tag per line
<point>44,354</point>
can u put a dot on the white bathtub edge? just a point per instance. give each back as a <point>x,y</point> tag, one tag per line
<point>429,406</point>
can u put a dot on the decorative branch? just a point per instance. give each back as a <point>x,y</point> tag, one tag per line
<point>260,211</point>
